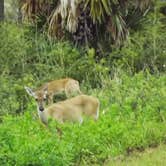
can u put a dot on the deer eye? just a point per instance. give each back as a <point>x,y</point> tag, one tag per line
<point>45,99</point>
<point>36,99</point>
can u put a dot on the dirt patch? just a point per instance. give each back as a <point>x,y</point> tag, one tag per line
<point>152,156</point>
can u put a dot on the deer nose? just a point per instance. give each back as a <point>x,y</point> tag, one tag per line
<point>41,108</point>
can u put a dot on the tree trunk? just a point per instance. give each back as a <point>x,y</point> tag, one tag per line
<point>1,10</point>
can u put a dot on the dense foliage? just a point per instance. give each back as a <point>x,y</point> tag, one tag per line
<point>134,118</point>
<point>129,81</point>
<point>27,60</point>
<point>27,57</point>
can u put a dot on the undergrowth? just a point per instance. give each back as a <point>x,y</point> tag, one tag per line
<point>132,115</point>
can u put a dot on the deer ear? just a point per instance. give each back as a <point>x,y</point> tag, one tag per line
<point>29,91</point>
<point>45,89</point>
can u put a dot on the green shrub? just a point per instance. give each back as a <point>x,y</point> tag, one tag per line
<point>146,47</point>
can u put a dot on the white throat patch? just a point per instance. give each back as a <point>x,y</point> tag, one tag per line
<point>42,116</point>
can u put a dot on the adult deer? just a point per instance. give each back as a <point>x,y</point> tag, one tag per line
<point>71,109</point>
<point>49,89</point>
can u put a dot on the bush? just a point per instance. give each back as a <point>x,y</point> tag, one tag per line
<point>145,48</point>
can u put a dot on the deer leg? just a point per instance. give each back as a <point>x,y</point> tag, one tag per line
<point>67,92</point>
<point>96,116</point>
<point>59,132</point>
<point>80,92</point>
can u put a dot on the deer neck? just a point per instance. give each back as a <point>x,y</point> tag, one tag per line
<point>43,116</point>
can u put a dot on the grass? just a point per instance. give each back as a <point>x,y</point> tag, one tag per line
<point>132,116</point>
<point>150,157</point>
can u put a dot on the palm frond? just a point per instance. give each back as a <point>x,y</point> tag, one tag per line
<point>141,4</point>
<point>64,16</point>
<point>32,8</point>
<point>117,27</point>
<point>84,19</point>
<point>54,28</point>
<point>98,9</point>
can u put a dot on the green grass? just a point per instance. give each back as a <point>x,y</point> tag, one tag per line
<point>150,157</point>
<point>134,117</point>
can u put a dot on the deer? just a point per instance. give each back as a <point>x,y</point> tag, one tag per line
<point>72,109</point>
<point>49,89</point>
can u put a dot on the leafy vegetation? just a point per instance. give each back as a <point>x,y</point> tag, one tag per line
<point>129,81</point>
<point>144,48</point>
<point>134,117</point>
<point>26,58</point>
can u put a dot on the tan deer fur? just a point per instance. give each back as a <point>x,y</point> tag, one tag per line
<point>72,109</point>
<point>67,85</point>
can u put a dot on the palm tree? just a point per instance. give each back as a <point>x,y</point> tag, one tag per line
<point>1,10</point>
<point>86,20</point>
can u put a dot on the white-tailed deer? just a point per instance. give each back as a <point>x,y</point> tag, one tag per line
<point>48,90</point>
<point>71,109</point>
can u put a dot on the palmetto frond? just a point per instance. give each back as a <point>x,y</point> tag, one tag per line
<point>79,17</point>
<point>64,16</point>
<point>117,27</point>
<point>55,27</point>
<point>142,4</point>
<point>98,9</point>
<point>32,8</point>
